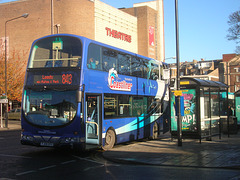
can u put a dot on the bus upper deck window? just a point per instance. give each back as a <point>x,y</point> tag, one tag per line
<point>94,57</point>
<point>56,52</point>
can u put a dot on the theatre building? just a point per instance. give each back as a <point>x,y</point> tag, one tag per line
<point>138,29</point>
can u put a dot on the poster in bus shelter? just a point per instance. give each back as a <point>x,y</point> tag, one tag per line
<point>237,112</point>
<point>189,118</point>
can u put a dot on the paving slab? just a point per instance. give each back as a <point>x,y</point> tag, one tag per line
<point>221,153</point>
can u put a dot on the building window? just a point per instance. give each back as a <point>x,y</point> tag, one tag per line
<point>173,72</point>
<point>237,78</point>
<point>237,88</point>
<point>237,69</point>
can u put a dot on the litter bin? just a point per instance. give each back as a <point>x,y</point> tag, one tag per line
<point>233,128</point>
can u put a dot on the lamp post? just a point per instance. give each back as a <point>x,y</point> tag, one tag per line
<point>179,118</point>
<point>24,16</point>
<point>174,57</point>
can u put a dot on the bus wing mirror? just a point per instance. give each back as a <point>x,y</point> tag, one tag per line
<point>79,96</point>
<point>166,74</point>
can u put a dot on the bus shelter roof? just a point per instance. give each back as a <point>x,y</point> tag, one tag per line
<point>202,83</point>
<point>237,93</point>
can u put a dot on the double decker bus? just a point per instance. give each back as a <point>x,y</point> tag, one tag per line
<point>83,94</point>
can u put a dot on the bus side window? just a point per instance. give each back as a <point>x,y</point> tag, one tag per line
<point>91,63</point>
<point>161,72</point>
<point>136,67</point>
<point>145,69</point>
<point>124,64</point>
<point>139,106</point>
<point>109,59</point>
<point>154,72</point>
<point>94,57</point>
<point>49,64</point>
<point>58,63</point>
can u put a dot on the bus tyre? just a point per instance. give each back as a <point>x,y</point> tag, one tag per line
<point>155,131</point>
<point>109,140</point>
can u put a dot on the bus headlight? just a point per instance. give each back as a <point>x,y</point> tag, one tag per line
<point>71,140</point>
<point>27,138</point>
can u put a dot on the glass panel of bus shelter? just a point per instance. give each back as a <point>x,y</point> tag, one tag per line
<point>189,121</point>
<point>205,123</point>
<point>215,116</point>
<point>173,112</point>
<point>56,52</point>
<point>237,111</point>
<point>92,119</point>
<point>49,108</point>
<point>223,104</point>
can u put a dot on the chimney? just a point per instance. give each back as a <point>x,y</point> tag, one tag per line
<point>228,57</point>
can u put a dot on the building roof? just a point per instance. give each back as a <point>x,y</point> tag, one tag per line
<point>237,93</point>
<point>235,60</point>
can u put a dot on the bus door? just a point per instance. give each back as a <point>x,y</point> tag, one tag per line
<point>93,119</point>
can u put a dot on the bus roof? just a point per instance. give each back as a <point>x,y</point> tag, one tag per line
<point>84,39</point>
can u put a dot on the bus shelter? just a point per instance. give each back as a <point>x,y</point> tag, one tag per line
<point>201,108</point>
<point>237,106</point>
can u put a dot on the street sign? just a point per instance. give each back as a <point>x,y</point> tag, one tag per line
<point>3,97</point>
<point>4,101</point>
<point>177,93</point>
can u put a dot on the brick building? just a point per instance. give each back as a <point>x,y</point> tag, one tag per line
<point>207,70</point>
<point>226,70</point>
<point>138,29</point>
<point>232,71</point>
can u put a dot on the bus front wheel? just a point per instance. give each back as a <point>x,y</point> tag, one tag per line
<point>109,140</point>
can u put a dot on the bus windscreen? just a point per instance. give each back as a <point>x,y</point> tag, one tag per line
<point>49,108</point>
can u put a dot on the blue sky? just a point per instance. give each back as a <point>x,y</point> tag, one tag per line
<point>202,27</point>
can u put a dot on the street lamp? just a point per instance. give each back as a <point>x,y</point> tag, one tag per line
<point>174,57</point>
<point>25,15</point>
<point>179,118</point>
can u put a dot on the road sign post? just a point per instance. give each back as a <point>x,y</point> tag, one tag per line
<point>3,101</point>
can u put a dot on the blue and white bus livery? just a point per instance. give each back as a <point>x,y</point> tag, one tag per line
<point>82,93</point>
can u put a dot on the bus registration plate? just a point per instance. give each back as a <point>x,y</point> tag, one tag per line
<point>48,144</point>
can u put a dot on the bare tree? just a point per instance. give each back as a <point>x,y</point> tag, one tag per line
<point>234,29</point>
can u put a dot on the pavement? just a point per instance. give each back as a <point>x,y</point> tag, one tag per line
<point>217,153</point>
<point>12,125</point>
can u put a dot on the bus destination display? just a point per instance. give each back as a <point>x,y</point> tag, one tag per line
<point>53,79</point>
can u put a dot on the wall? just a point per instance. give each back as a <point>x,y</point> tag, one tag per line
<point>111,20</point>
<point>146,17</point>
<point>21,32</point>
<point>74,17</point>
<point>82,17</point>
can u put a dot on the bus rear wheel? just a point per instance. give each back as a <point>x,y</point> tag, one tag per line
<point>109,140</point>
